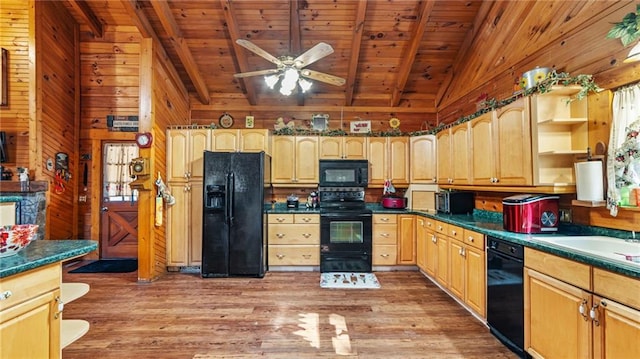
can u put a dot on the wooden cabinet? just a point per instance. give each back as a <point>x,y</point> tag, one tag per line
<point>406,239</point>
<point>560,129</point>
<point>483,156</point>
<point>444,163</point>
<point>295,160</point>
<point>225,140</point>
<point>513,152</point>
<point>30,318</point>
<point>569,300</point>
<point>246,140</point>
<point>467,274</point>
<point>422,150</point>
<point>185,153</point>
<point>421,243</point>
<point>453,155</point>
<point>385,239</point>
<point>184,225</point>
<point>388,160</point>
<point>294,239</point>
<point>343,147</point>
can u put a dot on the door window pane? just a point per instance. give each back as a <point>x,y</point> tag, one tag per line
<point>117,157</point>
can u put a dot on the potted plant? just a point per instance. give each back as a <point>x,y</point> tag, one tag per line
<point>627,30</point>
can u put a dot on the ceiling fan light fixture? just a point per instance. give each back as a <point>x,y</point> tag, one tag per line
<point>271,80</point>
<point>305,85</point>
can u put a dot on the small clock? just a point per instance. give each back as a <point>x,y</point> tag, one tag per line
<point>144,139</point>
<point>226,121</point>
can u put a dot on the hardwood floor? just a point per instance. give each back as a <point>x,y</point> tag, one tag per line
<point>283,315</point>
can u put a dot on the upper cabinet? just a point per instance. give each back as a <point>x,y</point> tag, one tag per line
<point>560,125</point>
<point>227,140</point>
<point>185,152</point>
<point>423,159</point>
<point>445,169</point>
<point>453,155</point>
<point>388,160</point>
<point>343,147</point>
<point>483,156</point>
<point>295,160</point>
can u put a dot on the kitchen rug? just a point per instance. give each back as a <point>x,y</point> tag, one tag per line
<point>108,266</point>
<point>349,280</point>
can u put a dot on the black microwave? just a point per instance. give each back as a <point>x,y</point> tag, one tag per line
<point>454,202</point>
<point>344,173</point>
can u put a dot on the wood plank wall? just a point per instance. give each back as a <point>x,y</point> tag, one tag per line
<point>14,118</point>
<point>56,110</point>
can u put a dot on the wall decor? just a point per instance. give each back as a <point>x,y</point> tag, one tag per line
<point>360,126</point>
<point>248,121</point>
<point>4,78</point>
<point>319,122</point>
<point>225,120</point>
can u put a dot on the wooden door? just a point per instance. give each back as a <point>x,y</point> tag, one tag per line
<point>483,171</point>
<point>442,263</point>
<point>423,159</point>
<point>398,148</point>
<point>177,155</point>
<point>282,162</point>
<point>421,243</point>
<point>199,141</point>
<point>445,174</point>
<point>226,140</point>
<point>432,254</point>
<point>475,280</point>
<point>456,268</point>
<point>330,147</point>
<point>514,165</point>
<point>178,220</point>
<point>354,148</point>
<point>254,141</point>
<point>460,153</point>
<point>377,148</point>
<point>616,330</point>
<point>406,240</point>
<point>306,162</point>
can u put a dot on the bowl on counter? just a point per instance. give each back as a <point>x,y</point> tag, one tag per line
<point>14,238</point>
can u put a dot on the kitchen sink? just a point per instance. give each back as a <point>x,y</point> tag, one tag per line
<point>608,247</point>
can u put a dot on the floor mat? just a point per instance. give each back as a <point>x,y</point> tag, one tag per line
<point>349,280</point>
<point>109,266</point>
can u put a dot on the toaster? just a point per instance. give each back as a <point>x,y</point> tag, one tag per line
<point>530,213</point>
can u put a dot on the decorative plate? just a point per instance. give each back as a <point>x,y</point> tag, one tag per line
<point>226,120</point>
<point>394,122</point>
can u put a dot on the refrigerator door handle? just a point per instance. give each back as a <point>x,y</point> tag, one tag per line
<point>231,179</point>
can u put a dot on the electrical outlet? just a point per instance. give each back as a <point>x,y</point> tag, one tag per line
<point>82,199</point>
<point>565,215</point>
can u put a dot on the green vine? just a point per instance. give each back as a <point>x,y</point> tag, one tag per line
<point>627,30</point>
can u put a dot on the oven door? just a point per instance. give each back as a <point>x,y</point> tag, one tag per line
<point>345,242</point>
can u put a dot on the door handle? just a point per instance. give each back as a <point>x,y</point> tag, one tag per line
<point>104,209</point>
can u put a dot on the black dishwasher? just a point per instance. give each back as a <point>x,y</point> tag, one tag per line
<point>505,293</point>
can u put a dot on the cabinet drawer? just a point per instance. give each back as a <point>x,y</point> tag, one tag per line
<point>456,232</point>
<point>281,218</point>
<point>30,284</point>
<point>306,218</point>
<point>618,287</point>
<point>385,234</point>
<point>384,255</point>
<point>294,234</point>
<point>294,255</point>
<point>566,270</point>
<point>429,224</point>
<point>385,218</point>
<point>442,227</point>
<point>474,239</point>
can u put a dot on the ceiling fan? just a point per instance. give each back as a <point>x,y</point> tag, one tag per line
<point>289,70</point>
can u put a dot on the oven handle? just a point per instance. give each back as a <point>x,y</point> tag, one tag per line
<point>346,216</point>
<point>492,252</point>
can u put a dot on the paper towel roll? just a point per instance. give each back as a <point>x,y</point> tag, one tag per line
<point>589,181</point>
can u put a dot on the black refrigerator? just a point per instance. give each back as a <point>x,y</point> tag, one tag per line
<point>233,242</point>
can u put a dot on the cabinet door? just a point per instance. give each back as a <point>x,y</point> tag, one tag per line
<point>616,330</point>
<point>354,148</point>
<point>330,147</point>
<point>196,204</point>
<point>456,268</point>
<point>398,148</point>
<point>199,141</point>
<point>31,329</point>
<point>552,311</point>
<point>442,266</point>
<point>377,147</point>
<point>475,283</point>
<point>282,162</point>
<point>407,240</point>
<point>421,243</point>
<point>423,159</point>
<point>177,155</point>
<point>254,141</point>
<point>432,254</point>
<point>226,140</point>
<point>513,132</point>
<point>178,218</point>
<point>445,174</point>
<point>460,153</point>
<point>306,159</point>
<point>483,171</point>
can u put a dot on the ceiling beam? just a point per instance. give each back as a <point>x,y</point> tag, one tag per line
<point>238,52</point>
<point>295,41</point>
<point>354,56</point>
<point>146,30</point>
<point>410,52</point>
<point>88,16</point>
<point>170,26</point>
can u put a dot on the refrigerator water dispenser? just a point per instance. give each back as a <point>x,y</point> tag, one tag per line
<point>215,197</point>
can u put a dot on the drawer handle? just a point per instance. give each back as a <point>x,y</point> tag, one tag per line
<point>5,295</point>
<point>471,239</point>
<point>455,233</point>
<point>440,228</point>
<point>280,219</point>
<point>386,235</point>
<point>306,219</point>
<point>434,239</point>
<point>306,256</point>
<point>280,235</point>
<point>280,256</point>
<point>306,235</point>
<point>593,313</point>
<point>384,219</point>
<point>583,309</point>
<point>384,255</point>
<point>60,308</point>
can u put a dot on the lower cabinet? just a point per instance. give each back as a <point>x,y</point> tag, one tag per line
<point>294,239</point>
<point>560,302</point>
<point>385,239</point>
<point>406,239</point>
<point>184,225</point>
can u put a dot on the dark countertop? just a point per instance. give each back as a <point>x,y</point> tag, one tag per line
<point>490,223</point>
<point>42,252</point>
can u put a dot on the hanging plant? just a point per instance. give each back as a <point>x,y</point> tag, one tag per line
<point>627,30</point>
<point>554,78</point>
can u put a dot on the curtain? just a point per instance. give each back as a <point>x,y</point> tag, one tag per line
<point>117,157</point>
<point>623,155</point>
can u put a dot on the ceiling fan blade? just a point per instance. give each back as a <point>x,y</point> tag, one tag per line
<point>256,73</point>
<point>258,51</point>
<point>313,54</point>
<point>322,77</point>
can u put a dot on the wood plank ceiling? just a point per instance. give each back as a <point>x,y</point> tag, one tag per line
<point>395,53</point>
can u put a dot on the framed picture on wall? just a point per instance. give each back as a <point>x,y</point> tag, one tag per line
<point>4,78</point>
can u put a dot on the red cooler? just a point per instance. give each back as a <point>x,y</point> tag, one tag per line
<point>530,213</point>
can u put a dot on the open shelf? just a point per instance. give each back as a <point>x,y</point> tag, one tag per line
<point>72,291</point>
<point>563,152</point>
<point>72,330</point>
<point>563,121</point>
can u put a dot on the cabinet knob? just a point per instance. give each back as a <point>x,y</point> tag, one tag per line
<point>471,239</point>
<point>306,235</point>
<point>5,295</point>
<point>280,235</point>
<point>384,219</point>
<point>280,256</point>
<point>455,233</point>
<point>306,256</point>
<point>386,235</point>
<point>280,219</point>
<point>384,255</point>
